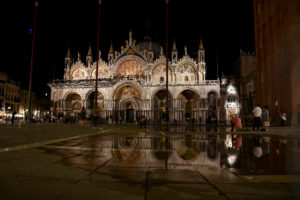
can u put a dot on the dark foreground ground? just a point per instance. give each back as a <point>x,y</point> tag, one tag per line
<point>57,161</point>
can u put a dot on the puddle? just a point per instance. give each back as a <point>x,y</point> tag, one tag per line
<point>240,154</point>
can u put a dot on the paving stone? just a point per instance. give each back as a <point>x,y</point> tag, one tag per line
<point>183,191</point>
<point>218,175</point>
<point>160,176</point>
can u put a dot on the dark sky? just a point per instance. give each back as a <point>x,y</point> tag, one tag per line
<point>225,26</point>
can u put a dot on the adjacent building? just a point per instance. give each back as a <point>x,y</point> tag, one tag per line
<point>277,30</point>
<point>246,70</point>
<point>10,92</point>
<point>14,98</point>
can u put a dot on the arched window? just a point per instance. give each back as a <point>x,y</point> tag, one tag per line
<point>186,78</point>
<point>161,79</point>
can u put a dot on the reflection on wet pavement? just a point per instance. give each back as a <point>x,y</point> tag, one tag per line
<point>130,157</point>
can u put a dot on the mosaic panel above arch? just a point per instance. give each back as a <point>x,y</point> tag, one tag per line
<point>102,72</point>
<point>161,68</point>
<point>79,74</point>
<point>130,68</point>
<point>186,68</point>
<point>127,91</point>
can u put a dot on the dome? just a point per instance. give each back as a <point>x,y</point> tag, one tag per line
<point>144,45</point>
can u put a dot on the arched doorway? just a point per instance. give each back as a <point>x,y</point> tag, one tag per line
<point>212,107</point>
<point>159,106</point>
<point>129,109</point>
<point>126,100</point>
<point>187,102</point>
<point>90,102</point>
<point>73,102</point>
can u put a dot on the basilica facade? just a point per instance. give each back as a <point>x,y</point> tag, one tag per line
<point>132,84</point>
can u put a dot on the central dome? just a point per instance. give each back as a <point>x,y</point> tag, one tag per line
<point>145,44</point>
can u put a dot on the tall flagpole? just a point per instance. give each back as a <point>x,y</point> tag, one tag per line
<point>32,58</point>
<point>167,84</point>
<point>97,54</point>
<point>167,62</point>
<point>217,65</point>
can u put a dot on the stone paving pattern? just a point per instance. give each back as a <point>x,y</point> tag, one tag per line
<point>34,173</point>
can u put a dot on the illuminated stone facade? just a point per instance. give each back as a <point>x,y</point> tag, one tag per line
<point>132,84</point>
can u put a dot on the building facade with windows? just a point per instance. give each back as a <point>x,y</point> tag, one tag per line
<point>132,84</point>
<point>13,97</point>
<point>9,95</point>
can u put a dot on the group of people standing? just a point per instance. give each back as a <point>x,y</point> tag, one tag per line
<point>261,117</point>
<point>88,117</point>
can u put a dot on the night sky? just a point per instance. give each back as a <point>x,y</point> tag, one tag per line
<point>225,27</point>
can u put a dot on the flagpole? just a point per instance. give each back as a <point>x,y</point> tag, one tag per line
<point>32,59</point>
<point>167,65</point>
<point>97,53</point>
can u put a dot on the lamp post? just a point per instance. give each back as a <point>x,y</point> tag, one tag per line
<point>32,59</point>
<point>97,54</point>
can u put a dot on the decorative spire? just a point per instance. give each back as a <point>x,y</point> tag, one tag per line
<point>78,56</point>
<point>99,54</point>
<point>174,46</point>
<point>111,50</point>
<point>68,60</point>
<point>161,51</point>
<point>130,37</point>
<point>150,46</point>
<point>241,52</point>
<point>89,56</point>
<point>68,53</point>
<point>201,44</point>
<point>201,52</point>
<point>174,53</point>
<point>90,50</point>
<point>185,51</point>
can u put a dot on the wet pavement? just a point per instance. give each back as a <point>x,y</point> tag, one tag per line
<point>126,162</point>
<point>237,153</point>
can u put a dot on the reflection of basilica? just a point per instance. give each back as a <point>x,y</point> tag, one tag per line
<point>179,151</point>
<point>132,84</point>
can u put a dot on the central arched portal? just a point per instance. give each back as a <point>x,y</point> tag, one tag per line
<point>127,100</point>
<point>128,110</point>
<point>187,103</point>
